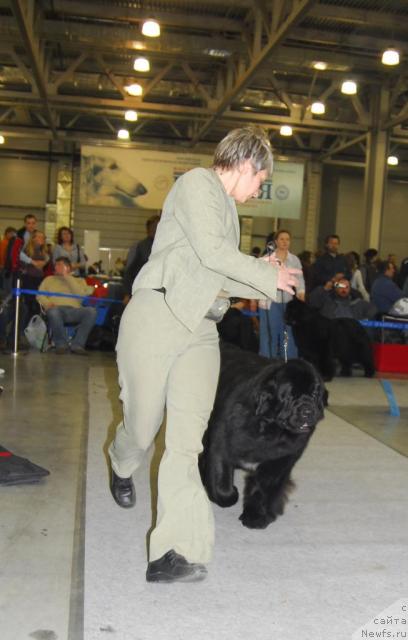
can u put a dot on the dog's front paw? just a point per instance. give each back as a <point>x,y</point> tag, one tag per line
<point>254,520</point>
<point>225,499</point>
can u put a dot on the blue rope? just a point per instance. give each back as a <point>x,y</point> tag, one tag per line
<point>394,408</point>
<point>33,292</point>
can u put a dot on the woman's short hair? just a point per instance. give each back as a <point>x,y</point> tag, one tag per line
<point>248,143</point>
<point>59,234</point>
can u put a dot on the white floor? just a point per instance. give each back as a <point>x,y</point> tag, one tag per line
<point>73,563</point>
<point>334,560</point>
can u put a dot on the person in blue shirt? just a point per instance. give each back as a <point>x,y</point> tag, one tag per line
<point>384,291</point>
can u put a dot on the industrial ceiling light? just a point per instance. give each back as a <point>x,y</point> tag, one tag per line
<point>131,116</point>
<point>392,161</point>
<point>390,57</point>
<point>2,139</point>
<point>134,89</point>
<point>318,108</point>
<point>141,64</point>
<point>286,130</point>
<point>151,28</point>
<point>123,134</point>
<point>320,65</point>
<point>349,87</point>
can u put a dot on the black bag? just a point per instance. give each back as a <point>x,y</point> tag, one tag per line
<point>16,470</point>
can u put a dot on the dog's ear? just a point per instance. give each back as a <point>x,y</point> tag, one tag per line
<point>263,398</point>
<point>325,397</point>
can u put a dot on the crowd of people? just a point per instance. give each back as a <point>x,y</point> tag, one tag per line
<point>58,269</point>
<point>338,285</point>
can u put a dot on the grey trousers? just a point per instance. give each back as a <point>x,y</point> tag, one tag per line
<point>163,364</point>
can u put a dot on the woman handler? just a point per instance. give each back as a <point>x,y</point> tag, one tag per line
<point>167,351</point>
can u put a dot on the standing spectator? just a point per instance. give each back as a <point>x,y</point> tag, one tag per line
<point>33,271</point>
<point>66,248</point>
<point>369,268</point>
<point>356,282</point>
<point>138,255</point>
<point>10,232</point>
<point>25,232</point>
<point>273,331</point>
<point>331,264</point>
<point>384,292</point>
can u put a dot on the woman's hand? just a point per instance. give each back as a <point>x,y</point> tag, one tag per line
<point>287,279</point>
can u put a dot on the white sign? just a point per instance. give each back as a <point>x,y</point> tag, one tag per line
<point>112,176</point>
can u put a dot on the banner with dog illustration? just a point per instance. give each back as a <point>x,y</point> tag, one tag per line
<point>117,177</point>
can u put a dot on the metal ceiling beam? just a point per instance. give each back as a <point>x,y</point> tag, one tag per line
<point>300,9</point>
<point>361,17</point>
<point>111,11</point>
<point>23,12</point>
<point>314,37</point>
<point>116,108</point>
<point>344,145</point>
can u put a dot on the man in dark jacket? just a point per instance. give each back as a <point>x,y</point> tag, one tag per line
<point>338,300</point>
<point>139,254</point>
<point>330,264</point>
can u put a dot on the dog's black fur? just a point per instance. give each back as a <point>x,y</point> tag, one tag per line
<point>321,341</point>
<point>264,414</point>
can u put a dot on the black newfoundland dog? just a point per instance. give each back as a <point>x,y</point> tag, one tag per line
<point>264,414</point>
<point>322,341</point>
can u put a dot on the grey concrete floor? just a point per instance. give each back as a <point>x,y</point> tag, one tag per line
<point>71,561</point>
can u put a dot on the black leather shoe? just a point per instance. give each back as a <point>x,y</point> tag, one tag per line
<point>123,491</point>
<point>173,567</point>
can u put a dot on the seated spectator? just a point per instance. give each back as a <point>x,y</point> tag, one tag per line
<point>67,248</point>
<point>403,275</point>
<point>256,252</point>
<point>238,329</point>
<point>384,292</point>
<point>306,260</point>
<point>35,260</point>
<point>331,264</point>
<point>62,310</point>
<point>336,299</point>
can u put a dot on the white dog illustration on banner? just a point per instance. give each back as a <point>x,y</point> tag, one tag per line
<point>105,183</point>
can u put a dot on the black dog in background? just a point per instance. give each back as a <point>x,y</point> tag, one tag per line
<point>264,414</point>
<point>322,341</point>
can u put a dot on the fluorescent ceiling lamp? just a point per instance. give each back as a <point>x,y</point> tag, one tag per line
<point>286,130</point>
<point>141,64</point>
<point>134,89</point>
<point>2,139</point>
<point>349,87</point>
<point>392,161</point>
<point>123,134</point>
<point>318,108</point>
<point>131,116</point>
<point>390,57</point>
<point>320,65</point>
<point>151,28</point>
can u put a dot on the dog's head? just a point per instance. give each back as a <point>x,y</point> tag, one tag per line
<point>289,397</point>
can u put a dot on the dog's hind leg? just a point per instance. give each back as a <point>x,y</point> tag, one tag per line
<point>266,492</point>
